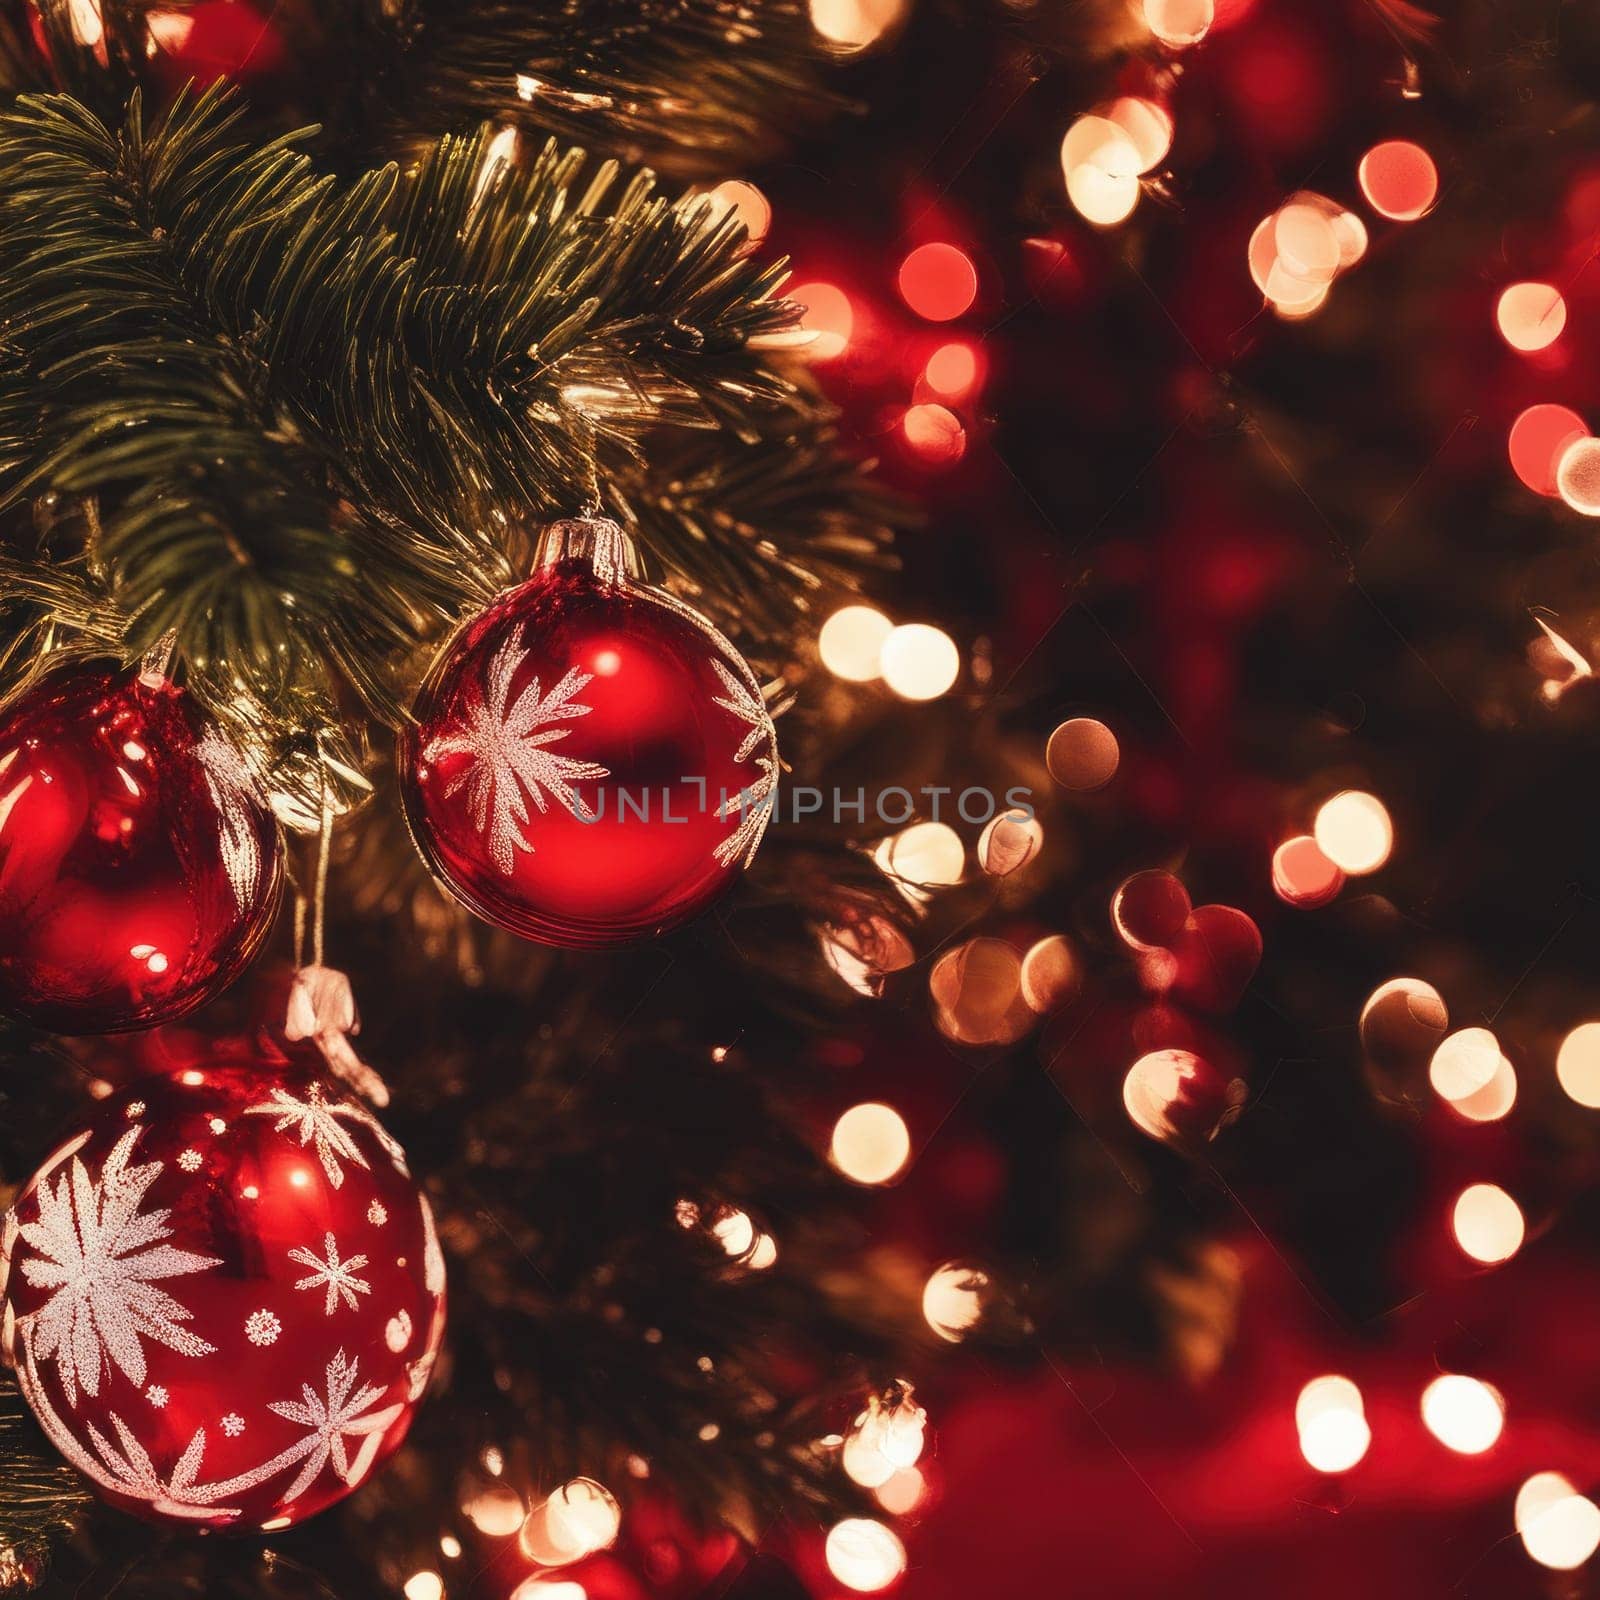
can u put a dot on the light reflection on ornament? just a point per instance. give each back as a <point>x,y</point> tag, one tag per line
<point>954,1299</point>
<point>1538,440</point>
<point>871,1144</point>
<point>851,643</point>
<point>1488,1223</point>
<point>1179,23</point>
<point>920,662</point>
<point>1302,875</point>
<point>1050,975</point>
<point>938,281</point>
<point>1578,476</point>
<point>1578,1064</point>
<point>1559,1527</point>
<point>581,1518</point>
<point>864,1555</point>
<point>1082,754</point>
<point>1354,832</point>
<point>827,314</point>
<point>1399,180</point>
<point>1330,1416</point>
<point>1530,316</point>
<point>1463,1414</point>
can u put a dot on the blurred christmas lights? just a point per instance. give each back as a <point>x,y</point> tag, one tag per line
<point>1560,1528</point>
<point>1331,1418</point>
<point>1302,875</point>
<point>1149,910</point>
<point>579,1519</point>
<point>920,662</point>
<point>884,1439</point>
<point>746,202</point>
<point>851,643</point>
<point>1539,438</point>
<point>1009,842</point>
<point>1578,1064</point>
<point>976,990</point>
<point>1471,1074</point>
<point>1402,1023</point>
<point>955,1298</point>
<point>1050,975</point>
<point>864,1555</point>
<point>927,855</point>
<point>1399,180</point>
<point>1530,316</point>
<point>871,1144</point>
<point>827,315</point>
<point>1488,1223</point>
<point>1179,23</point>
<point>855,25</point>
<point>951,371</point>
<point>1354,832</point>
<point>1463,1414</point>
<point>1082,754</point>
<point>934,432</point>
<point>938,281</point>
<point>1578,476</point>
<point>425,1585</point>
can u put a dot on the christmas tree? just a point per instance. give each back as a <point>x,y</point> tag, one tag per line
<point>674,924</point>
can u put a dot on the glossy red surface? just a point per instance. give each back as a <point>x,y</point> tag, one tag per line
<point>140,866</point>
<point>580,752</point>
<point>224,1298</point>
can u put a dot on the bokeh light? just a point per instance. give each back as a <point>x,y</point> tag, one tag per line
<point>1470,1072</point>
<point>1147,125</point>
<point>1560,1528</point>
<point>855,25</point>
<point>1009,842</point>
<point>425,1585</point>
<point>1050,974</point>
<point>1177,1096</point>
<point>496,1510</point>
<point>864,1555</point>
<point>1463,1414</point>
<point>934,432</point>
<point>952,370</point>
<point>851,643</point>
<point>884,1439</point>
<point>1354,832</point>
<point>871,1143</point>
<point>938,281</point>
<point>903,1492</point>
<point>1488,1223</point>
<point>827,314</point>
<point>747,203</point>
<point>1179,23</point>
<point>1330,1416</point>
<point>1530,316</point>
<point>1149,910</point>
<point>920,662</point>
<point>1578,1064</point>
<point>581,1518</point>
<point>1399,180</point>
<point>1101,197</point>
<point>1578,476</point>
<point>1302,875</point>
<point>1538,440</point>
<point>1082,754</point>
<point>927,855</point>
<point>954,1299</point>
<point>1403,1022</point>
<point>1102,144</point>
<point>976,990</point>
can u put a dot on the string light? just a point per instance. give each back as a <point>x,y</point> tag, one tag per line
<point>1101,164</point>
<point>1578,476</point>
<point>977,993</point>
<point>938,281</point>
<point>934,432</point>
<point>827,314</point>
<point>1463,1414</point>
<point>851,643</point>
<point>1302,875</point>
<point>1399,180</point>
<point>581,1518</point>
<point>920,662</point>
<point>864,1555</point>
<point>1147,125</point>
<point>1578,1064</point>
<point>1050,975</point>
<point>952,371</point>
<point>539,1588</point>
<point>1560,1528</point>
<point>1470,1072</point>
<point>424,1585</point>
<point>495,1510</point>
<point>1403,1022</point>
<point>747,203</point>
<point>1082,754</point>
<point>1330,1416</point>
<point>927,855</point>
<point>1488,1223</point>
<point>1179,23</point>
<point>871,1144</point>
<point>1354,832</point>
<point>903,1492</point>
<point>1530,316</point>
<point>855,25</point>
<point>954,1299</point>
<point>1009,842</point>
<point>1539,438</point>
<point>884,1439</point>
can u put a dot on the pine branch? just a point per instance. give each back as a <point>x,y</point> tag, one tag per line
<point>316,416</point>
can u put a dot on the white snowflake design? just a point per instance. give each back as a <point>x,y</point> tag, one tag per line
<point>191,1160</point>
<point>329,1272</point>
<point>330,1418</point>
<point>377,1215</point>
<point>262,1328</point>
<point>233,1424</point>
<point>317,1123</point>
<point>102,1257</point>
<point>508,741</point>
<point>157,1395</point>
<point>754,800</point>
<point>231,783</point>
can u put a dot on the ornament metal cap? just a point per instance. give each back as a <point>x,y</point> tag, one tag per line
<point>598,542</point>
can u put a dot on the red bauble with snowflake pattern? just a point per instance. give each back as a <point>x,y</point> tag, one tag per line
<point>223,1299</point>
<point>140,864</point>
<point>591,762</point>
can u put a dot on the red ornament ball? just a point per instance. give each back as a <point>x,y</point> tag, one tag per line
<point>223,1298</point>
<point>140,865</point>
<point>591,761</point>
